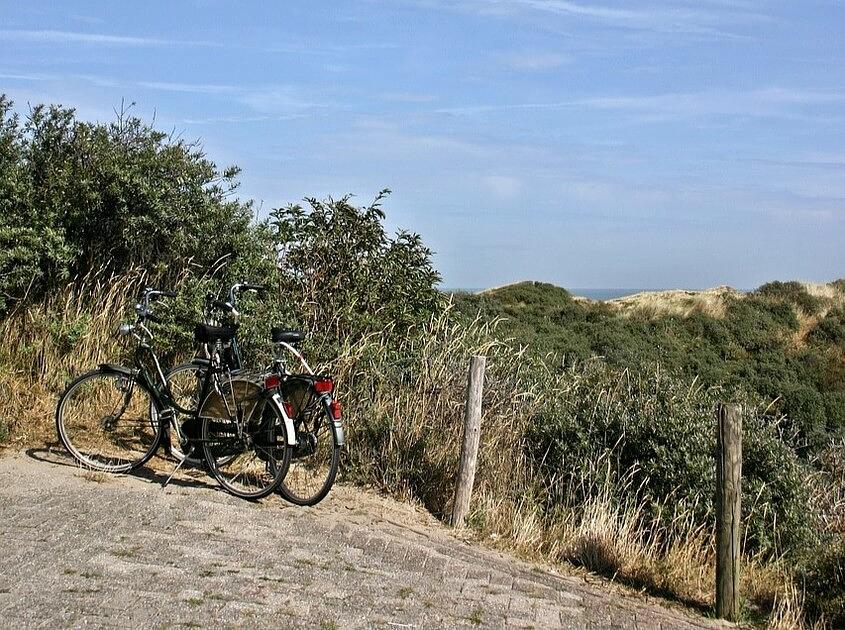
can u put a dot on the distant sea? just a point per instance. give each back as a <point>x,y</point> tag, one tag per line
<point>593,294</point>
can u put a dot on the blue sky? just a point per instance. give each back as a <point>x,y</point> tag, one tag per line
<point>589,144</point>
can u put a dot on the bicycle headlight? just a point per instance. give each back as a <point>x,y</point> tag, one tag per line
<point>125,329</point>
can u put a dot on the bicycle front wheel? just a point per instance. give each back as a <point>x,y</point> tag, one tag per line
<point>248,454</point>
<point>103,420</point>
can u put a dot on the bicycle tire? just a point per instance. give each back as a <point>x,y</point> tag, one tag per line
<point>95,440</point>
<point>309,480</point>
<point>266,453</point>
<point>180,399</point>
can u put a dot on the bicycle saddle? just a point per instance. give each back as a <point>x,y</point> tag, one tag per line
<point>281,335</point>
<point>203,333</point>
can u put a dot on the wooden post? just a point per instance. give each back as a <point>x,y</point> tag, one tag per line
<point>469,447</point>
<point>728,495</point>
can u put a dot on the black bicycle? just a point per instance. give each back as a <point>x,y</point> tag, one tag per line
<point>306,399</point>
<point>104,417</point>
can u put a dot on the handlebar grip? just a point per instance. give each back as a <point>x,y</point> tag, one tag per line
<point>253,287</point>
<point>168,293</point>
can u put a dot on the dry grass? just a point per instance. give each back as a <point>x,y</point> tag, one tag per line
<point>788,610</point>
<point>653,304</point>
<point>714,302</point>
<point>828,293</point>
<point>43,347</point>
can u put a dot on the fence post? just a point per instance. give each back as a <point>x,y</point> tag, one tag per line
<point>728,495</point>
<point>469,446</point>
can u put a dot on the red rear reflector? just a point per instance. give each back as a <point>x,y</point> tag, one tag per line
<point>336,410</point>
<point>324,387</point>
<point>289,412</point>
<point>272,381</point>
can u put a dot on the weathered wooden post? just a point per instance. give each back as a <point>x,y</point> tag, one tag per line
<point>728,495</point>
<point>469,446</point>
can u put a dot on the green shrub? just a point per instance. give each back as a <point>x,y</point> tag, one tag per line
<point>823,578</point>
<point>66,334</point>
<point>77,197</point>
<point>806,411</point>
<point>347,275</point>
<point>830,330</point>
<point>792,293</point>
<point>656,431</point>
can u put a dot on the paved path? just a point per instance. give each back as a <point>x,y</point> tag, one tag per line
<point>102,551</point>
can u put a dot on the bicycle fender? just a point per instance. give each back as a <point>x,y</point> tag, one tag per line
<point>114,368</point>
<point>338,424</point>
<point>276,401</point>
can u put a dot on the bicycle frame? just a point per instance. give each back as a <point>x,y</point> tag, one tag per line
<point>163,397</point>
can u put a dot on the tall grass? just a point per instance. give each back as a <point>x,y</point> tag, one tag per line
<point>43,346</point>
<point>404,402</point>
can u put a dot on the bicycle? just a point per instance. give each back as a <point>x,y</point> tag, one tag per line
<point>318,423</point>
<point>103,417</point>
<point>185,379</point>
<point>308,400</point>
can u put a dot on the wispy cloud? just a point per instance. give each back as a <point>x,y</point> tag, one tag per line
<point>706,19</point>
<point>19,76</point>
<point>768,102</point>
<point>536,61</point>
<point>52,37</point>
<point>211,120</point>
<point>190,88</point>
<point>408,97</point>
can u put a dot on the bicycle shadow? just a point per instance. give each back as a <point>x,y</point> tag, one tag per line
<point>54,453</point>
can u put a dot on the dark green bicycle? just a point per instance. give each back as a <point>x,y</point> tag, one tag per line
<point>115,417</point>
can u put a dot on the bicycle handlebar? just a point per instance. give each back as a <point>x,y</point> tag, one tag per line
<point>219,304</point>
<point>243,286</point>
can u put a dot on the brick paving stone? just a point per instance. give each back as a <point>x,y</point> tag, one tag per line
<point>127,553</point>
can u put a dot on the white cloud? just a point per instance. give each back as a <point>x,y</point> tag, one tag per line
<point>52,37</point>
<point>767,102</point>
<point>718,20</point>
<point>504,187</point>
<point>191,88</point>
<point>536,62</point>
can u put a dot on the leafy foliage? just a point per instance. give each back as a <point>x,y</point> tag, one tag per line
<point>349,276</point>
<point>78,196</point>
<point>654,430</point>
<point>749,350</point>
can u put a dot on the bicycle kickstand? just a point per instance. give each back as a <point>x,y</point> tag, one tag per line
<point>178,466</point>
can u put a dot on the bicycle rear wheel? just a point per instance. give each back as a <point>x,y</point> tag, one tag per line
<point>315,458</point>
<point>103,420</point>
<point>185,382</point>
<point>249,456</point>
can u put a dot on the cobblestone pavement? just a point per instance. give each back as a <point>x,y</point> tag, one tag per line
<point>81,549</point>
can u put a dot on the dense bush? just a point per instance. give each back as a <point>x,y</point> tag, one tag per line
<point>341,268</point>
<point>792,293</point>
<point>77,197</point>
<point>752,347</point>
<point>655,431</point>
<point>824,580</point>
